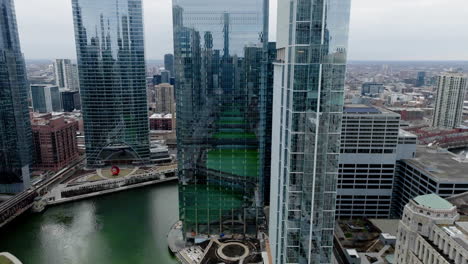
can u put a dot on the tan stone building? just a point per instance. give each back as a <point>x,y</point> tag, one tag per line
<point>432,232</point>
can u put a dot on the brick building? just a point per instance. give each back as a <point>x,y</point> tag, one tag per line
<point>161,122</point>
<point>54,141</point>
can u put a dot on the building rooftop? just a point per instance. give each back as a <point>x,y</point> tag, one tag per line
<point>406,134</point>
<point>440,163</point>
<point>433,201</point>
<point>365,109</point>
<point>361,109</point>
<point>157,115</point>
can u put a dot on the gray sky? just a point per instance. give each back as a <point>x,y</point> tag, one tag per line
<point>379,30</point>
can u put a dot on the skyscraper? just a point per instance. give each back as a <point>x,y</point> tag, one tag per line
<point>169,63</point>
<point>165,76</point>
<point>421,80</point>
<point>70,100</point>
<point>266,145</point>
<point>164,98</point>
<point>307,110</point>
<point>66,74</point>
<point>46,98</point>
<point>451,89</point>
<point>15,126</point>
<point>111,62</point>
<point>220,53</point>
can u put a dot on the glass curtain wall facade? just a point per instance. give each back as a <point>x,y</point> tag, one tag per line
<point>220,59</point>
<point>111,62</point>
<point>307,111</point>
<point>15,126</point>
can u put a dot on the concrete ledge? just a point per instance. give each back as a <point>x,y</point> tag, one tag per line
<point>10,257</point>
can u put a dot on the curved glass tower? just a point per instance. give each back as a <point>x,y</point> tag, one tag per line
<point>220,50</point>
<point>111,63</point>
<point>308,101</point>
<point>15,126</point>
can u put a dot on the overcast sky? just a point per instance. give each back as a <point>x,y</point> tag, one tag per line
<point>379,30</point>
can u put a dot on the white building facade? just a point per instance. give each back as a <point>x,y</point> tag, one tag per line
<point>451,89</point>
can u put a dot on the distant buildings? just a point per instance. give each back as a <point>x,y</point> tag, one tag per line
<point>371,144</point>
<point>372,89</point>
<point>46,98</point>
<point>432,231</point>
<point>111,62</point>
<point>164,101</point>
<point>157,79</point>
<point>70,100</point>
<point>451,89</point>
<point>55,142</point>
<point>421,79</point>
<point>165,76</point>
<point>409,114</point>
<point>309,77</point>
<point>15,126</point>
<point>169,63</point>
<point>433,170</point>
<point>66,74</point>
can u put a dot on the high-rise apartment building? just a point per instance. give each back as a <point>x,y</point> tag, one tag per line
<point>111,62</point>
<point>46,98</point>
<point>15,126</point>
<point>169,63</point>
<point>220,56</point>
<point>307,111</point>
<point>66,74</point>
<point>371,144</point>
<point>164,101</point>
<point>451,89</point>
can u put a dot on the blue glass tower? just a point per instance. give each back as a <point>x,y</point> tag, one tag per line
<point>220,54</point>
<point>111,62</point>
<point>15,126</point>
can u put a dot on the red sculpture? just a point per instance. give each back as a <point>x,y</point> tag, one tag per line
<point>115,170</point>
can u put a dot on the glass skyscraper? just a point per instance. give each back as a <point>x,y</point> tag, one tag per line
<point>111,62</point>
<point>15,126</point>
<point>307,110</point>
<point>220,54</point>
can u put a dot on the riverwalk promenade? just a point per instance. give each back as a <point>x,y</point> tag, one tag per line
<point>82,190</point>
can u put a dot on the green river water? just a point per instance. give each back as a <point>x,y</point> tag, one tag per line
<point>129,227</point>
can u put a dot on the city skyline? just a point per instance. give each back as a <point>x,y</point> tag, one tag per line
<point>404,38</point>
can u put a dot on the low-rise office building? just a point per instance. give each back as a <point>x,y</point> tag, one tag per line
<point>433,170</point>
<point>371,143</point>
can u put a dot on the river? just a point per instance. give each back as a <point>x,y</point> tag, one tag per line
<point>129,227</point>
